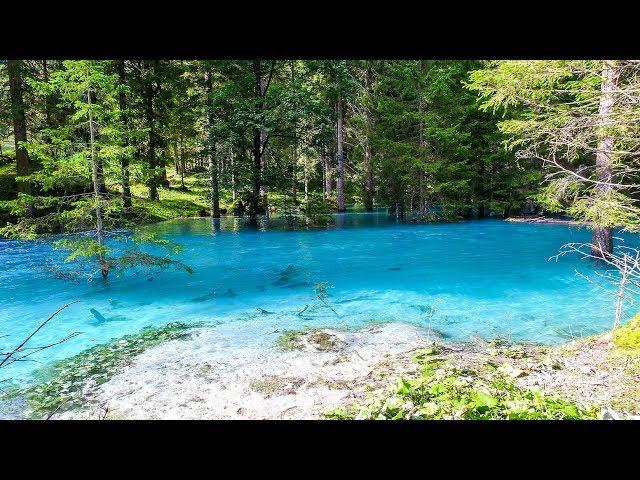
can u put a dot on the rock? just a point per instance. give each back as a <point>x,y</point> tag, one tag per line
<point>609,414</point>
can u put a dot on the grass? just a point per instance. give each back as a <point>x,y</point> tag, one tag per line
<point>174,202</point>
<point>627,338</point>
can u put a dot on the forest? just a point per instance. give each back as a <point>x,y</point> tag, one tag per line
<point>252,137</point>
<point>97,155</point>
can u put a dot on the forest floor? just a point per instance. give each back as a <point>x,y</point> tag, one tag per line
<point>313,374</point>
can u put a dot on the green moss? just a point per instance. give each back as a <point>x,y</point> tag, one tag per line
<point>62,382</point>
<point>316,337</point>
<point>627,337</point>
<point>290,340</point>
<point>272,384</point>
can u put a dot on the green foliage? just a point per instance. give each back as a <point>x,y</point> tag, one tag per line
<point>442,391</point>
<point>627,337</point>
<point>62,382</point>
<point>552,113</point>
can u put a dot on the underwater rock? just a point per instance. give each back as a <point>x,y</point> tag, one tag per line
<point>98,316</point>
<point>100,319</point>
<point>213,294</point>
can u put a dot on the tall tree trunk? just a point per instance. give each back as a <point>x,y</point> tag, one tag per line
<point>294,173</point>
<point>96,173</point>
<point>306,179</point>
<point>257,148</point>
<point>47,100</point>
<point>368,170</point>
<point>23,163</point>
<point>602,237</point>
<point>294,147</point>
<point>327,166</point>
<point>211,147</point>
<point>124,159</point>
<point>152,181</point>
<point>233,177</point>
<point>264,189</point>
<point>340,140</point>
<point>422,176</point>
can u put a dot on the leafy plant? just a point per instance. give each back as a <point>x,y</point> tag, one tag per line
<point>442,391</point>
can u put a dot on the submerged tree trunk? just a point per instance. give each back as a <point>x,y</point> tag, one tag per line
<point>340,141</point>
<point>124,160</point>
<point>96,173</point>
<point>23,163</point>
<point>211,149</point>
<point>602,237</point>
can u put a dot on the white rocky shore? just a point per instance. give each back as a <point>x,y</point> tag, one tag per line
<point>196,379</point>
<point>307,373</point>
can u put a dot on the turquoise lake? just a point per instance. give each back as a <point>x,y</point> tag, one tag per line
<point>475,278</point>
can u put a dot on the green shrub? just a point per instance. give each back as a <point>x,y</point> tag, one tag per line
<point>441,391</point>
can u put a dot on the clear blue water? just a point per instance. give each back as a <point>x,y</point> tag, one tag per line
<point>475,278</point>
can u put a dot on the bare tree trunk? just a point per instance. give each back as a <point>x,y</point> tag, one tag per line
<point>47,99</point>
<point>182,162</point>
<point>264,189</point>
<point>152,182</point>
<point>294,147</point>
<point>368,170</point>
<point>124,160</point>
<point>306,179</point>
<point>324,174</point>
<point>96,173</point>
<point>233,177</point>
<point>602,237</point>
<point>328,179</point>
<point>423,200</point>
<point>23,163</point>
<point>211,147</point>
<point>294,173</point>
<point>340,173</point>
<point>257,146</point>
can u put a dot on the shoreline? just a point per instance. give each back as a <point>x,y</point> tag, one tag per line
<point>542,219</point>
<point>318,371</point>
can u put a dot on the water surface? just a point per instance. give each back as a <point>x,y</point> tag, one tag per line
<point>475,278</point>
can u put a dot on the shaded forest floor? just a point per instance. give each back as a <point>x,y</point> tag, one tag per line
<point>391,370</point>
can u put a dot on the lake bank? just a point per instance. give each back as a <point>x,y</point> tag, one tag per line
<point>333,373</point>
